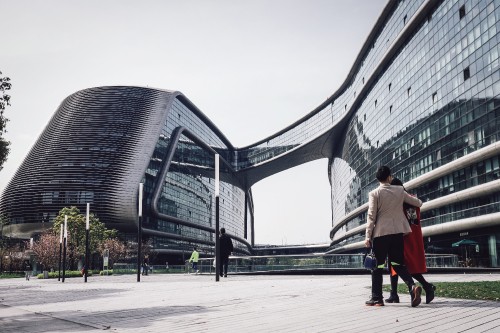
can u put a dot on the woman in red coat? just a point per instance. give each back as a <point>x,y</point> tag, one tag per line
<point>414,254</point>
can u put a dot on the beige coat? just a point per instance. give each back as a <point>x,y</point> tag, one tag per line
<point>385,211</point>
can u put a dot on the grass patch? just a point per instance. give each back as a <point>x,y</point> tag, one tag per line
<point>483,290</point>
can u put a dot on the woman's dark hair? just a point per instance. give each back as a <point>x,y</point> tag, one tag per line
<point>396,181</point>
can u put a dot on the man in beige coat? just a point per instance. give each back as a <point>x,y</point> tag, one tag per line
<point>385,228</point>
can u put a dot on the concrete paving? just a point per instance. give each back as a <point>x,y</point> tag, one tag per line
<point>196,303</point>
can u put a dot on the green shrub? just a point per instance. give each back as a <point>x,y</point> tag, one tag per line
<point>106,272</point>
<point>67,274</point>
<point>125,271</point>
<point>10,275</point>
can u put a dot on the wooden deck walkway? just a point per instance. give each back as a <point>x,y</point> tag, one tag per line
<point>196,303</point>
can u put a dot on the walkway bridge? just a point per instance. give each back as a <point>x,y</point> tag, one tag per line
<point>320,134</point>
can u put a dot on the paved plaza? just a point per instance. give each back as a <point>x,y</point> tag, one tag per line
<point>196,303</point>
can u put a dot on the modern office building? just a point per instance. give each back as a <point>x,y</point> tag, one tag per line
<point>424,94</point>
<point>421,97</point>
<point>102,142</point>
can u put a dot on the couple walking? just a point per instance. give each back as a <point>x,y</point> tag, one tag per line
<point>391,210</point>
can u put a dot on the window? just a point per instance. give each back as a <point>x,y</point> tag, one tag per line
<point>375,103</point>
<point>346,106</point>
<point>363,80</point>
<point>409,91</point>
<point>365,116</point>
<point>390,85</point>
<point>390,109</point>
<point>461,12</point>
<point>404,19</point>
<point>434,97</point>
<point>466,74</point>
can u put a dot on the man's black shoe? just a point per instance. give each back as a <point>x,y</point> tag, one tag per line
<point>392,299</point>
<point>415,293</point>
<point>429,293</point>
<point>375,302</point>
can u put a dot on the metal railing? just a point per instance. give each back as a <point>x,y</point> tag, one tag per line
<point>276,263</point>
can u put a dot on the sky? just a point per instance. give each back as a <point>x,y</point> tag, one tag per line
<point>252,66</point>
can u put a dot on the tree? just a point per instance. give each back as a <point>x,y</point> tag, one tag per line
<point>12,257</point>
<point>4,102</point>
<point>146,251</point>
<point>117,250</point>
<point>46,249</point>
<point>76,233</point>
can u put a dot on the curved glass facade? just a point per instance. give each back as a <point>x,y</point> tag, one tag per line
<point>187,192</point>
<point>435,102</point>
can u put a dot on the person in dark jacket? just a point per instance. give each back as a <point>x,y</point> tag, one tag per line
<point>226,248</point>
<point>27,270</point>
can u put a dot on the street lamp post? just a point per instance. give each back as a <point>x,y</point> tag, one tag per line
<point>60,252</point>
<point>65,243</point>
<point>87,231</point>
<point>139,233</point>
<point>217,241</point>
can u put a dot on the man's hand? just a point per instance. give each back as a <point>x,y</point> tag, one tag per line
<point>368,243</point>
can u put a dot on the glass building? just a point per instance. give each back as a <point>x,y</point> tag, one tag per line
<point>102,142</point>
<point>426,102</point>
<point>421,97</point>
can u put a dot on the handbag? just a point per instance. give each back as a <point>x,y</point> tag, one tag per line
<point>370,261</point>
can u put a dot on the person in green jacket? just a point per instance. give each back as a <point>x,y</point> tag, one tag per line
<point>194,259</point>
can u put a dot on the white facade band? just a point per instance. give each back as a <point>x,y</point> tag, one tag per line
<point>66,226</point>
<point>141,187</point>
<point>87,222</point>
<point>216,175</point>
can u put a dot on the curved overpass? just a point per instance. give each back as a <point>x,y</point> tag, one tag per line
<point>320,133</point>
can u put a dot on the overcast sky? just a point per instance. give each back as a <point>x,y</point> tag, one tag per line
<point>252,66</point>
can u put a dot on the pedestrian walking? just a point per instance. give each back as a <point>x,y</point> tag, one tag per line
<point>226,248</point>
<point>194,260</point>
<point>27,270</point>
<point>385,228</point>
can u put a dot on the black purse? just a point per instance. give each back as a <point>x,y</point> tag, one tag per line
<point>370,261</point>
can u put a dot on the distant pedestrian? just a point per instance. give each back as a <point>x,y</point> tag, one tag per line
<point>226,248</point>
<point>27,270</point>
<point>194,259</point>
<point>145,266</point>
<point>386,225</point>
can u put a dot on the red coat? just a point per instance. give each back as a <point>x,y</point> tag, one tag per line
<point>414,243</point>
